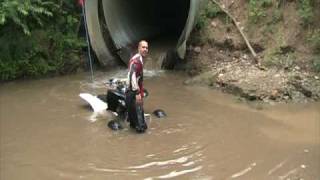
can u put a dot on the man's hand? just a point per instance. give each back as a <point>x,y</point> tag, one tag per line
<point>139,99</point>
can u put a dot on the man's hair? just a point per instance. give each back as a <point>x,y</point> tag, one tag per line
<point>140,42</point>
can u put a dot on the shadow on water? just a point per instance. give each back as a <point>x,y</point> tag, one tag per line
<point>47,132</point>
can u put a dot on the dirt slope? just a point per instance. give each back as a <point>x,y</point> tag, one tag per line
<point>218,56</point>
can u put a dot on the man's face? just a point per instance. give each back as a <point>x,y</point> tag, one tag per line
<point>143,48</point>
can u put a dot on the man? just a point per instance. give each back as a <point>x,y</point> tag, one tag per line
<point>134,95</point>
<point>81,27</point>
<point>80,3</point>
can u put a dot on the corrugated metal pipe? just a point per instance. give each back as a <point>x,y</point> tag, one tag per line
<point>115,26</point>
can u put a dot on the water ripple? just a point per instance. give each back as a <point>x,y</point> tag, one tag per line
<point>245,171</point>
<point>175,173</point>
<point>180,160</point>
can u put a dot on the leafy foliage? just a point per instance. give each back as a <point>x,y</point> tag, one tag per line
<point>256,9</point>
<point>210,11</point>
<point>306,11</point>
<point>25,13</point>
<point>316,63</point>
<point>276,58</point>
<point>314,39</point>
<point>46,41</point>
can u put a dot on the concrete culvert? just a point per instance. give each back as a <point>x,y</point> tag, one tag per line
<point>116,26</point>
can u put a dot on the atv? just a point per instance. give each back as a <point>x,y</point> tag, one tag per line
<point>115,101</point>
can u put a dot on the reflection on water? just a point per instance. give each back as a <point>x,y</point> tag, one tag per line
<point>48,132</point>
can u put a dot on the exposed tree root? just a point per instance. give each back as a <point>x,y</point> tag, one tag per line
<point>254,54</point>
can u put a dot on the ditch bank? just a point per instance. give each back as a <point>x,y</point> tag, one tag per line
<point>218,57</point>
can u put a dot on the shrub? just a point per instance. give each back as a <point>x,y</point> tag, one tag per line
<point>314,39</point>
<point>277,58</point>
<point>256,11</point>
<point>211,11</point>
<point>306,11</point>
<point>316,63</point>
<point>45,42</point>
<point>25,14</point>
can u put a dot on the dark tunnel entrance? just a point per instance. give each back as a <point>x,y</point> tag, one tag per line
<point>165,24</point>
<point>169,16</point>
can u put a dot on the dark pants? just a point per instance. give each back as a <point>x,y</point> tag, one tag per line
<point>135,113</point>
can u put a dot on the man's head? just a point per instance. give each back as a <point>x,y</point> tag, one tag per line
<point>143,48</point>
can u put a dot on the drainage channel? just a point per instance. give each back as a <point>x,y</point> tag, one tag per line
<point>116,26</point>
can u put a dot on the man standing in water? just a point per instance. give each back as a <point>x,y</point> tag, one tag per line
<point>134,95</point>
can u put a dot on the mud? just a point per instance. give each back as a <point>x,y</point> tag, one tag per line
<point>48,132</point>
<point>241,77</point>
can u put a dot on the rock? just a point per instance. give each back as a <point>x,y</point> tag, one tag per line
<point>297,68</point>
<point>258,48</point>
<point>228,43</point>
<point>237,54</point>
<point>266,100</point>
<point>287,49</point>
<point>297,77</point>
<point>251,97</point>
<point>245,56</point>
<point>115,125</point>
<point>213,24</point>
<point>210,50</point>
<point>159,113</point>
<point>197,49</point>
<point>299,87</point>
<point>274,94</point>
<point>232,72</point>
<point>286,97</point>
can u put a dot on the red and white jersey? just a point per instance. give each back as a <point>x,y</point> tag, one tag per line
<point>81,3</point>
<point>135,74</point>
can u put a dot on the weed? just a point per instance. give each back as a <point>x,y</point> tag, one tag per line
<point>277,16</point>
<point>211,11</point>
<point>257,9</point>
<point>306,11</point>
<point>316,63</point>
<point>314,39</point>
<point>276,58</point>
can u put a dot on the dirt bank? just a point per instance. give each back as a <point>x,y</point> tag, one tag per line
<point>218,56</point>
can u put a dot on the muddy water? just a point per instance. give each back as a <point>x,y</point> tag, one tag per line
<point>48,132</point>
<point>157,52</point>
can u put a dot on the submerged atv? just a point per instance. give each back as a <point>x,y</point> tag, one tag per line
<point>116,97</point>
<point>115,101</point>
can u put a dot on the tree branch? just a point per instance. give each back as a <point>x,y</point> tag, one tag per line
<point>254,54</point>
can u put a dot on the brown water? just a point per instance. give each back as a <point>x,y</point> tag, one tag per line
<point>47,133</point>
<point>158,49</point>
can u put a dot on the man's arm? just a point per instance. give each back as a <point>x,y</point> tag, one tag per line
<point>133,78</point>
<point>134,82</point>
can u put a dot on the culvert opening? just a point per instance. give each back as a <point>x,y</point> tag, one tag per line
<point>166,24</point>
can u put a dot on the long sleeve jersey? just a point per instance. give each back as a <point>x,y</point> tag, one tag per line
<point>135,74</point>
